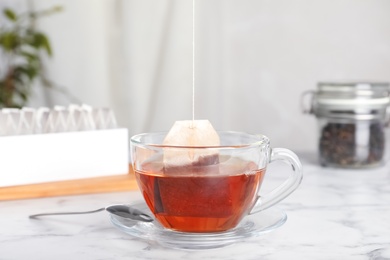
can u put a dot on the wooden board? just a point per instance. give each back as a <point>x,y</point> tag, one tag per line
<point>116,183</point>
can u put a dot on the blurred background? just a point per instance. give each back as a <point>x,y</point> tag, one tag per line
<point>253,59</point>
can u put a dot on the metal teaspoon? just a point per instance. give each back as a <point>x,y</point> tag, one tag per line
<point>123,211</point>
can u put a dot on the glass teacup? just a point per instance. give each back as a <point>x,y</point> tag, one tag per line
<point>217,189</point>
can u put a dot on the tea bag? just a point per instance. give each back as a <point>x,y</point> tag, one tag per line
<point>191,133</point>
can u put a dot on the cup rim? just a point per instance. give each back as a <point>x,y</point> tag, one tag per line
<point>262,141</point>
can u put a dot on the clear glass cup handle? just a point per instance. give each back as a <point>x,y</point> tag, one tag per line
<point>287,187</point>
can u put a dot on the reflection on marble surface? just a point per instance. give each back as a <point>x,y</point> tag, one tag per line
<point>335,214</point>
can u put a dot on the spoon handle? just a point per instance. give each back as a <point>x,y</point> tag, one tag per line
<point>66,213</point>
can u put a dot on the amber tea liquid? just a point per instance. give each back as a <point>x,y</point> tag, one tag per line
<point>209,198</point>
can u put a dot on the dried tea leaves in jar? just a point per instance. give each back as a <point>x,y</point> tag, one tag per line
<point>352,144</point>
<point>352,118</point>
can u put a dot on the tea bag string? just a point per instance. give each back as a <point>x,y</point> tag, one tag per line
<point>193,61</point>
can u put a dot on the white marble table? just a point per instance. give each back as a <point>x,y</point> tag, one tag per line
<point>335,214</point>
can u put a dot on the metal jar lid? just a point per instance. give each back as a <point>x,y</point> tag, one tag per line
<point>353,100</point>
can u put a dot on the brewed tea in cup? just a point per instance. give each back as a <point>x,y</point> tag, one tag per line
<point>217,189</point>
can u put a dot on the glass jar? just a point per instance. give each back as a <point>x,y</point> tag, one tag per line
<point>351,123</point>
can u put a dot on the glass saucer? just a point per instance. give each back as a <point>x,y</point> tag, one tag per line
<point>251,226</point>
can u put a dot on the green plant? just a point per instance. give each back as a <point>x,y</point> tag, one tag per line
<point>22,47</point>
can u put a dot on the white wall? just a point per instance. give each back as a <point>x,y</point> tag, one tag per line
<point>254,58</point>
